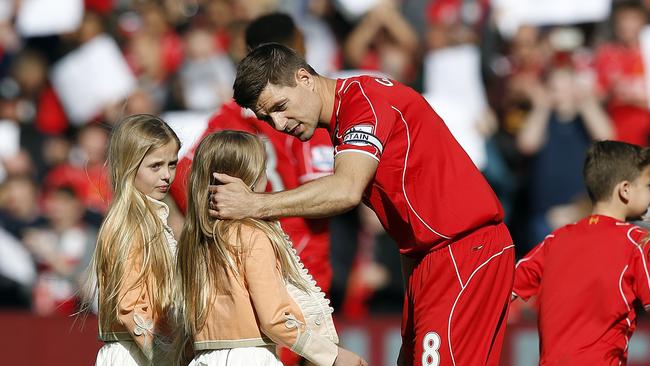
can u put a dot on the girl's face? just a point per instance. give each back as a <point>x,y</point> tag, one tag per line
<point>157,171</point>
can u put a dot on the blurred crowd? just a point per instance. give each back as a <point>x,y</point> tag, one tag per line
<point>524,102</point>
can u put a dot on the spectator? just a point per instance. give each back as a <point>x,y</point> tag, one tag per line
<point>84,169</point>
<point>19,209</point>
<point>62,250</point>
<point>383,41</point>
<point>566,117</point>
<point>621,75</point>
<point>207,75</point>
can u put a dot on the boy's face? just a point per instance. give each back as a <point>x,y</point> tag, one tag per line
<point>640,194</point>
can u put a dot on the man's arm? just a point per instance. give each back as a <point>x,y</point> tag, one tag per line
<point>321,197</point>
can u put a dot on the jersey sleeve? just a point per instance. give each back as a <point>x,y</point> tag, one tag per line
<point>639,265</point>
<point>280,318</point>
<point>529,270</point>
<point>365,122</point>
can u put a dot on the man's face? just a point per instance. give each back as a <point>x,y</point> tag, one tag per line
<point>294,110</point>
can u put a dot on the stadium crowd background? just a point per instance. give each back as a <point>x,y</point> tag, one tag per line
<point>524,100</point>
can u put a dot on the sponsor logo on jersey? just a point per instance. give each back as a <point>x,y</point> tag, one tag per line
<point>362,135</point>
<point>322,158</point>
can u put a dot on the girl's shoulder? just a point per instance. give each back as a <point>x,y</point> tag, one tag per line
<point>247,235</point>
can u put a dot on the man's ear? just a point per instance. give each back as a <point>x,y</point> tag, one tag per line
<point>304,77</point>
<point>623,190</point>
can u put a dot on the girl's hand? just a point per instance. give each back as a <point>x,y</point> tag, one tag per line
<point>348,358</point>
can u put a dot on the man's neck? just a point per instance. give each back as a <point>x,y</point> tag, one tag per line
<point>326,89</point>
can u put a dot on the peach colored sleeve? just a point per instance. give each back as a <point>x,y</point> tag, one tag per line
<point>280,318</point>
<point>135,308</point>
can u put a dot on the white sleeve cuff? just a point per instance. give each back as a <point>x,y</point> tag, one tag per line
<point>316,348</point>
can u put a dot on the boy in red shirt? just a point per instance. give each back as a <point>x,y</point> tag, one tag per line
<point>588,276</point>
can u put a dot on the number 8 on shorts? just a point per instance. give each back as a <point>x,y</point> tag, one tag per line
<point>431,344</point>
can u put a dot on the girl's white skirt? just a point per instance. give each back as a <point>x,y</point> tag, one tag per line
<point>120,354</point>
<point>245,356</point>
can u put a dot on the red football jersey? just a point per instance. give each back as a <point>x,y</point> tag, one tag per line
<point>289,163</point>
<point>587,277</point>
<point>426,190</point>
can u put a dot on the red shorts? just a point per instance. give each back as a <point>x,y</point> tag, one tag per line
<point>457,300</point>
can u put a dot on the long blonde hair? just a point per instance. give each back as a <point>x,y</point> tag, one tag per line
<point>205,253</point>
<point>131,218</point>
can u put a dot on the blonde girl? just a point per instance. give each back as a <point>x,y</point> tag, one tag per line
<point>134,257</point>
<point>243,288</point>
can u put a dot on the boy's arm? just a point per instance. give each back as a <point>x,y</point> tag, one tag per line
<point>325,196</point>
<point>529,270</point>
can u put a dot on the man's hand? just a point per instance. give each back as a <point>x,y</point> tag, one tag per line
<point>348,358</point>
<point>232,199</point>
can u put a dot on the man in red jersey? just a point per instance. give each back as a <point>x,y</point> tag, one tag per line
<point>290,162</point>
<point>394,152</point>
<point>587,276</point>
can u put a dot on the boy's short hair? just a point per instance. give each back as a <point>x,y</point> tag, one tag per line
<point>611,162</point>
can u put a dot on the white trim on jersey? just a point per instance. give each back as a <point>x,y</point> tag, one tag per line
<point>451,313</point>
<point>302,244</point>
<point>627,305</point>
<point>338,107</point>
<point>342,85</point>
<point>356,151</point>
<point>406,158</point>
<point>638,247</point>
<point>522,260</point>
<point>455,266</point>
<point>372,108</point>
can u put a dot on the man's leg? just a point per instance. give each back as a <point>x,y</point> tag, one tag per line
<point>461,299</point>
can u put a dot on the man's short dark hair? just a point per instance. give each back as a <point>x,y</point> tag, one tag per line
<point>274,27</point>
<point>611,162</point>
<point>269,63</point>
